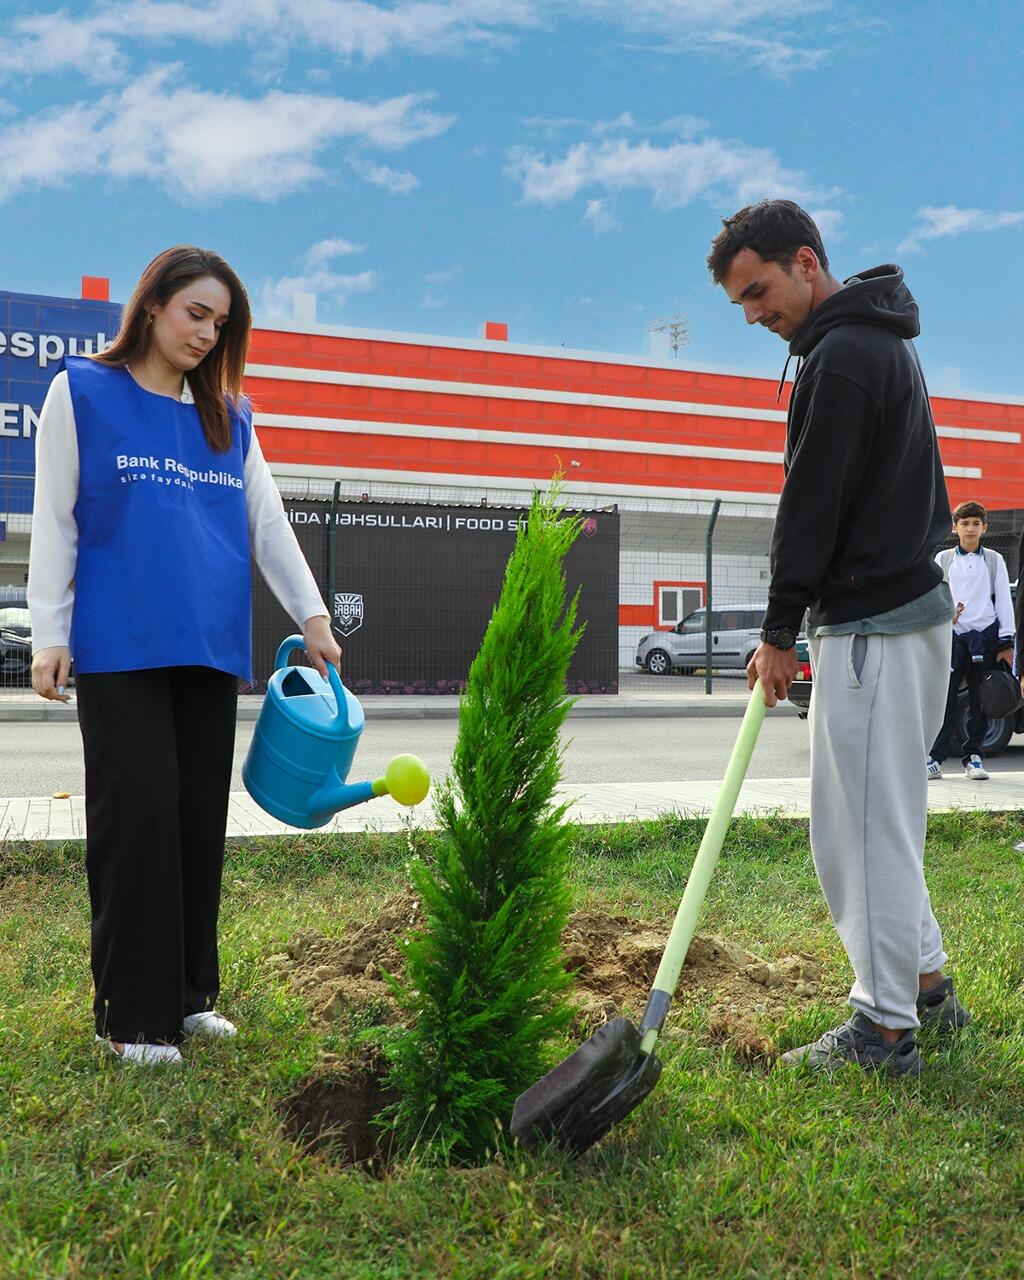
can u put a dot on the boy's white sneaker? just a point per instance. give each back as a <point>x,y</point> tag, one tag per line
<point>209,1025</point>
<point>144,1055</point>
<point>934,769</point>
<point>975,770</point>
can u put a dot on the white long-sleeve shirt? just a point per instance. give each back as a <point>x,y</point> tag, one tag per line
<point>971,584</point>
<point>54,549</point>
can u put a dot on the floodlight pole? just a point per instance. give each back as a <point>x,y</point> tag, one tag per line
<point>678,329</point>
<point>708,561</point>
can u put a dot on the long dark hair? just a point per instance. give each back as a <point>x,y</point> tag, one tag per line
<point>218,376</point>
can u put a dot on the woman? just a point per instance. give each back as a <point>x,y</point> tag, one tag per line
<point>151,493</point>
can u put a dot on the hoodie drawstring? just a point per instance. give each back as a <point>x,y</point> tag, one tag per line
<point>782,380</point>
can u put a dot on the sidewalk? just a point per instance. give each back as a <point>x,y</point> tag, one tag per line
<point>47,819</point>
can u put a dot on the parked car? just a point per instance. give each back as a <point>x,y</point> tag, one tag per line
<point>735,634</point>
<point>15,645</point>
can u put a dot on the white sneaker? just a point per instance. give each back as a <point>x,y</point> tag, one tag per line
<point>975,770</point>
<point>144,1055</point>
<point>934,769</point>
<point>209,1025</point>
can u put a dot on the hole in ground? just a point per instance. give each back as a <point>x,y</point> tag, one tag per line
<point>333,1112</point>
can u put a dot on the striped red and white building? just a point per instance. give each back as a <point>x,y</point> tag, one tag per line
<point>427,418</point>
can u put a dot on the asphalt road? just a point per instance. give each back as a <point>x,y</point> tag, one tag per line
<point>38,758</point>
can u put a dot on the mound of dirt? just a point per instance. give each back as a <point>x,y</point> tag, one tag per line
<point>615,959</point>
<point>342,977</point>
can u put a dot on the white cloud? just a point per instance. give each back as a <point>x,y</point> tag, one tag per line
<point>684,126</point>
<point>101,39</point>
<point>777,57</point>
<point>57,42</point>
<point>97,44</point>
<point>435,295</point>
<point>949,220</point>
<point>398,181</point>
<point>554,124</point>
<point>829,222</point>
<point>201,145</point>
<point>600,216</point>
<point>622,123</point>
<point>710,26</point>
<point>332,288</point>
<point>675,174</point>
<point>323,251</point>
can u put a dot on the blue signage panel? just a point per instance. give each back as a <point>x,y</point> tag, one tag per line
<point>35,335</point>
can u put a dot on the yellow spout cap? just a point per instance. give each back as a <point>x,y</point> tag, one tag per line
<point>405,779</point>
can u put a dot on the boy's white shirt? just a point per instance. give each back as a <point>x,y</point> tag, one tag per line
<point>969,582</point>
<point>54,551</point>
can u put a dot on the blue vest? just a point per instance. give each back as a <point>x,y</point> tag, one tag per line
<point>163,576</point>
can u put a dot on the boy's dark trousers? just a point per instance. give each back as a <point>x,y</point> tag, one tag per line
<point>158,746</point>
<point>977,721</point>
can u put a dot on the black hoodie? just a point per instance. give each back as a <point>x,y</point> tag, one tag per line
<point>864,504</point>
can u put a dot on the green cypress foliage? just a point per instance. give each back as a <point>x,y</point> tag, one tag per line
<point>485,980</point>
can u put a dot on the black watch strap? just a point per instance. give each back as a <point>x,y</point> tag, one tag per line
<point>780,637</point>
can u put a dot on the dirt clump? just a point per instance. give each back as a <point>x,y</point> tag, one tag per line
<point>614,958</point>
<point>344,978</point>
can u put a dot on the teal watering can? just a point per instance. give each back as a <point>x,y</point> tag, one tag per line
<point>306,736</point>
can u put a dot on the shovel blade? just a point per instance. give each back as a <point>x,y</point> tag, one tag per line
<point>579,1100</point>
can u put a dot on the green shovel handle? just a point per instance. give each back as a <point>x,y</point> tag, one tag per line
<point>707,857</point>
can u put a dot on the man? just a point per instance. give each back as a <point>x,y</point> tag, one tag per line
<point>862,510</point>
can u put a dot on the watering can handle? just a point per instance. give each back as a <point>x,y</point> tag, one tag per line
<point>288,647</point>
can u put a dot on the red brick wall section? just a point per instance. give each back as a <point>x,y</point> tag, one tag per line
<point>1001,462</point>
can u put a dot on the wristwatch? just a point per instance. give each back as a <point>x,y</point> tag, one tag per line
<point>780,638</point>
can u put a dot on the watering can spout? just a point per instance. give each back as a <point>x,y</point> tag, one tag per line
<point>405,779</point>
<point>335,795</point>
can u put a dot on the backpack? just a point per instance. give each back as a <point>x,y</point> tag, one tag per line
<point>1000,693</point>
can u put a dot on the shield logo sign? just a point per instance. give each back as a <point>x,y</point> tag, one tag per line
<point>348,610</point>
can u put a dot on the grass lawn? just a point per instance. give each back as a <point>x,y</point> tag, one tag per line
<point>727,1170</point>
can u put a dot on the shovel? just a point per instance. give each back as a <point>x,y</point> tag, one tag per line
<point>610,1074</point>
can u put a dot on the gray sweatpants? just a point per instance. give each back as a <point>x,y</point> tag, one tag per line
<point>878,704</point>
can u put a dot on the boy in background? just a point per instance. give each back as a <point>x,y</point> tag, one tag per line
<point>983,632</point>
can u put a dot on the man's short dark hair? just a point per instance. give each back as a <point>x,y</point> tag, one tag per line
<point>969,510</point>
<point>773,229</point>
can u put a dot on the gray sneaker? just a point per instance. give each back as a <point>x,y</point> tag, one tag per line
<point>939,1007</point>
<point>857,1040</point>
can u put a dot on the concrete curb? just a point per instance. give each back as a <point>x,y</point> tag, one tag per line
<point>52,820</point>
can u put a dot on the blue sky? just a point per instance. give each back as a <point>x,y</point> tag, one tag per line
<point>561,166</point>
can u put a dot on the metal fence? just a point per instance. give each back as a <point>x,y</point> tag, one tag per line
<point>710,569</point>
<point>671,589</point>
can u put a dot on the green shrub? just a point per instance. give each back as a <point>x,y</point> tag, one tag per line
<point>485,984</point>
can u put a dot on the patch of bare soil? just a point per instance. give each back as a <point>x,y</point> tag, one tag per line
<point>615,959</point>
<point>333,1112</point>
<point>344,977</point>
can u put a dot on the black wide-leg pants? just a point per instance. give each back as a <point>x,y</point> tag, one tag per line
<point>158,752</point>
